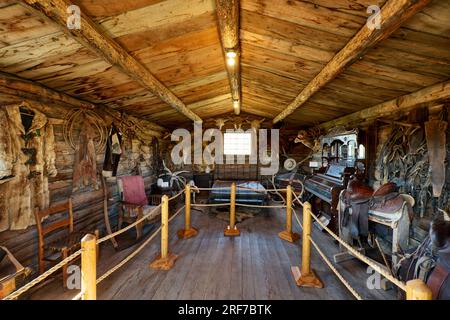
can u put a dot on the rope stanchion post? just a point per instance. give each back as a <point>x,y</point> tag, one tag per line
<point>232,230</point>
<point>417,290</point>
<point>287,234</point>
<point>188,231</point>
<point>306,277</point>
<point>89,267</point>
<point>165,260</point>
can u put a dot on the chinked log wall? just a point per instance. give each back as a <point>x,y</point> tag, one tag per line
<point>88,204</point>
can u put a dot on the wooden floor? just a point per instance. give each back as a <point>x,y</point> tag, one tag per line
<point>256,265</point>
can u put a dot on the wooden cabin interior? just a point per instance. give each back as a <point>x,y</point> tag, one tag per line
<point>224,149</point>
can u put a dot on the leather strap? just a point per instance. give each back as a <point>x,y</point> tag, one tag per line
<point>436,280</point>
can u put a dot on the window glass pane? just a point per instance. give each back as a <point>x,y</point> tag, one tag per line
<point>237,143</point>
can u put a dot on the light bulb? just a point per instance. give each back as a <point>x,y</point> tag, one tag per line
<point>231,58</point>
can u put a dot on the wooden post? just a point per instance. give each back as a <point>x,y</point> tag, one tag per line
<point>287,234</point>
<point>89,267</point>
<point>165,260</point>
<point>306,277</point>
<point>417,290</point>
<point>188,231</point>
<point>232,230</point>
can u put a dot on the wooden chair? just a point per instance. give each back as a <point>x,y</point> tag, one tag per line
<point>62,243</point>
<point>134,202</point>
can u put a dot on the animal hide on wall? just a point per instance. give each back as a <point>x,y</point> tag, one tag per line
<point>85,170</point>
<point>28,186</point>
<point>435,131</point>
<point>6,152</point>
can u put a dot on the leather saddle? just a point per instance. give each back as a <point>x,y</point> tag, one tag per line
<point>439,279</point>
<point>362,198</point>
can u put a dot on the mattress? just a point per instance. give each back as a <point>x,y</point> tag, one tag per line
<point>243,195</point>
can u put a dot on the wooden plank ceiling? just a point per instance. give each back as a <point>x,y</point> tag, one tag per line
<point>284,44</point>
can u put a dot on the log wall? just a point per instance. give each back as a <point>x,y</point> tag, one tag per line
<point>88,203</point>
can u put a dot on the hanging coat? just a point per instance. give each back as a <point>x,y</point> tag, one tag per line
<point>28,188</point>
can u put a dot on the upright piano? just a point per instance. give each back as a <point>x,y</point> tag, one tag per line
<point>324,189</point>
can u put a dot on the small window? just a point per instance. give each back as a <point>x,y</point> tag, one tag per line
<point>237,143</point>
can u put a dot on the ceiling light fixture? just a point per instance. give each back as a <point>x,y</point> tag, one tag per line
<point>231,58</point>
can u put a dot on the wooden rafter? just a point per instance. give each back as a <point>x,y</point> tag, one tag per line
<point>228,21</point>
<point>393,14</point>
<point>434,93</point>
<point>30,90</point>
<point>91,36</point>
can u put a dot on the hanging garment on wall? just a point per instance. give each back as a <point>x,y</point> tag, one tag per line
<point>33,161</point>
<point>113,152</point>
<point>435,131</point>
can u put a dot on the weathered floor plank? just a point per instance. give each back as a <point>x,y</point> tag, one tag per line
<point>255,265</point>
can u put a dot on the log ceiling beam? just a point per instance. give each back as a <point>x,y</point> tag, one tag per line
<point>228,23</point>
<point>30,90</point>
<point>432,94</point>
<point>91,36</point>
<point>393,14</point>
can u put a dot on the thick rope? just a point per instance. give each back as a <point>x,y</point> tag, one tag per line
<point>362,257</point>
<point>177,195</point>
<point>112,235</point>
<point>260,190</point>
<point>42,277</point>
<point>336,272</point>
<point>328,262</point>
<point>298,199</point>
<point>134,253</point>
<point>78,296</point>
<point>256,206</point>
<point>240,187</point>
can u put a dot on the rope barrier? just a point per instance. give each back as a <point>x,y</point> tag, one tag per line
<point>42,277</point>
<point>210,189</point>
<point>336,272</point>
<point>177,195</point>
<point>328,262</point>
<point>298,199</point>
<point>134,253</point>
<point>260,190</point>
<point>362,257</point>
<point>239,187</point>
<point>112,235</point>
<point>256,206</point>
<point>78,296</point>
